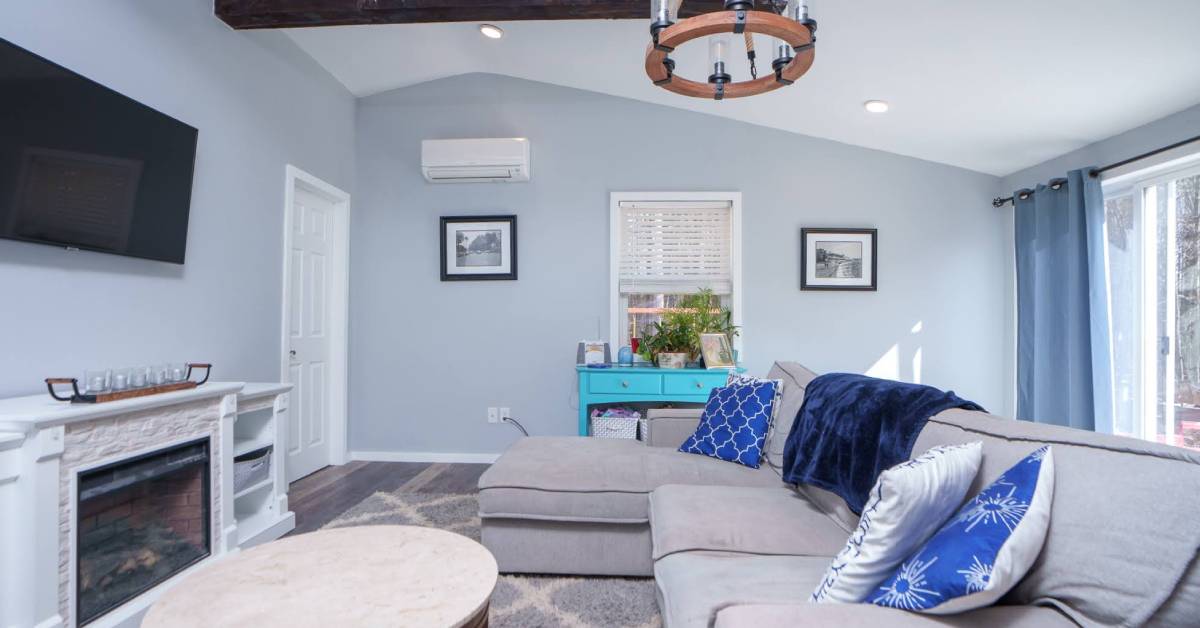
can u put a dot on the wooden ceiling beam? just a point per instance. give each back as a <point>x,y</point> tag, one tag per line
<point>248,14</point>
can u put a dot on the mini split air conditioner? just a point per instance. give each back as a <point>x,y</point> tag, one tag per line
<point>475,161</point>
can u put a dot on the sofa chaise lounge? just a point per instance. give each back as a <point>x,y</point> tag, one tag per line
<point>732,546</point>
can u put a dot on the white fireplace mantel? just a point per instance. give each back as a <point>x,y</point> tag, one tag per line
<point>36,412</point>
<point>44,443</point>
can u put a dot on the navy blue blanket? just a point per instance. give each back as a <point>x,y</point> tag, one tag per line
<point>851,428</point>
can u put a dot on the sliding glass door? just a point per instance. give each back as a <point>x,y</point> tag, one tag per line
<point>1153,250</point>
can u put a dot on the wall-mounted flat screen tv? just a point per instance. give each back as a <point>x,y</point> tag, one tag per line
<point>84,167</point>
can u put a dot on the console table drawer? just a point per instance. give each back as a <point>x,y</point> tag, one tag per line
<point>625,383</point>
<point>693,383</point>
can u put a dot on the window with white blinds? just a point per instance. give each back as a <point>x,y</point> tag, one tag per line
<point>665,246</point>
<point>675,247</point>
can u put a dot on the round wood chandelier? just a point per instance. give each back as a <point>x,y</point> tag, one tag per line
<point>791,30</point>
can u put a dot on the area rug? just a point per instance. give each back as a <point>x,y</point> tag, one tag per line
<point>525,601</point>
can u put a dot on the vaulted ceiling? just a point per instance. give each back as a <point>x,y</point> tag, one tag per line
<point>989,86</point>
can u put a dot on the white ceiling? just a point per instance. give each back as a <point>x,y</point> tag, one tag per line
<point>985,85</point>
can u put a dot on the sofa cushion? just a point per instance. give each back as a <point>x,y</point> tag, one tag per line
<point>908,504</point>
<point>765,521</point>
<point>1123,522</point>
<point>795,378</point>
<point>668,427</point>
<point>693,586</point>
<point>597,479</point>
<point>735,422</point>
<point>863,616</point>
<point>984,550</point>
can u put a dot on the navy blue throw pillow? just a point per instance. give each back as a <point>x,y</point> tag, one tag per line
<point>736,421</point>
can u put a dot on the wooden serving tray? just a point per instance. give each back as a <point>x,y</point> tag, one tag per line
<point>117,395</point>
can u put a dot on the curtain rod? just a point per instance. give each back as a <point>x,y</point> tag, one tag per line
<point>999,202</point>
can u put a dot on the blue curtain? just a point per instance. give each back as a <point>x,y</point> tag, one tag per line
<point>1064,354</point>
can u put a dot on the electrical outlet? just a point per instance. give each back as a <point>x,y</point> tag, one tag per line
<point>493,417</point>
<point>505,414</point>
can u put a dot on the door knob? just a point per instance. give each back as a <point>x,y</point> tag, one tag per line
<point>292,353</point>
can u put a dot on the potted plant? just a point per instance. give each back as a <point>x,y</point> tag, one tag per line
<point>668,342</point>
<point>675,340</point>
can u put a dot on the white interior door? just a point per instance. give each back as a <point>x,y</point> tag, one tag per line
<point>309,364</point>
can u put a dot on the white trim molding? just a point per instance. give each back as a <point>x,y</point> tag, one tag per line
<point>339,294</point>
<point>422,456</point>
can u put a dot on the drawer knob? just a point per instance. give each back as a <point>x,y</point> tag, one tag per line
<point>624,384</point>
<point>699,384</point>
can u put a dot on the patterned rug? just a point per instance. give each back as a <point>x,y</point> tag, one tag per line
<point>525,601</point>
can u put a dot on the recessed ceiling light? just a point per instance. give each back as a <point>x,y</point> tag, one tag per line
<point>491,31</point>
<point>876,106</point>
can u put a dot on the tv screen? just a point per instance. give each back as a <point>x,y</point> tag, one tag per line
<point>84,167</point>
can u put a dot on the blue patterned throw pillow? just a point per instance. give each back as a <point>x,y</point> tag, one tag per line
<point>983,550</point>
<point>736,421</point>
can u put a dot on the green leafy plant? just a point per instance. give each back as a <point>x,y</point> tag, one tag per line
<point>680,328</point>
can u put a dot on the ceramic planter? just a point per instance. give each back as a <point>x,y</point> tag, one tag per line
<point>672,360</point>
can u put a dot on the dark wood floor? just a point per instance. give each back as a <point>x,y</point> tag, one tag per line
<point>319,498</point>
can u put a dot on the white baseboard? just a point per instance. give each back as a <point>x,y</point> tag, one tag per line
<point>422,456</point>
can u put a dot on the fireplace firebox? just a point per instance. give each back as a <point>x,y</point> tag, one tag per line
<point>139,522</point>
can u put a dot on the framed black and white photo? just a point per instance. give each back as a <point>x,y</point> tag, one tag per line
<point>838,259</point>
<point>476,248</point>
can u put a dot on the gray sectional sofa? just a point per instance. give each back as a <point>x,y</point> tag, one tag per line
<point>730,546</point>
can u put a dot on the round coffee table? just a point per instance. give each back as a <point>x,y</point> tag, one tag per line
<point>363,576</point>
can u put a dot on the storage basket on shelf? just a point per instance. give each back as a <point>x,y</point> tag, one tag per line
<point>251,468</point>
<point>615,423</point>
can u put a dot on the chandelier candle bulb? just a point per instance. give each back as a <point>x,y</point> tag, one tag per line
<point>781,53</point>
<point>662,15</point>
<point>718,51</point>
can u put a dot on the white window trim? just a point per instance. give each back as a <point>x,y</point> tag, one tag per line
<point>614,254</point>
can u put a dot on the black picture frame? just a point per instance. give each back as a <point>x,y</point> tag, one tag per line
<point>511,247</point>
<point>807,284</point>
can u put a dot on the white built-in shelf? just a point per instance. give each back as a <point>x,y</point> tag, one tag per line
<point>11,440</point>
<point>256,523</point>
<point>247,445</point>
<point>254,488</point>
<point>261,509</point>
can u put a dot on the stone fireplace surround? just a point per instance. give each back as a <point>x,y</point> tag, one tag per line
<point>45,444</point>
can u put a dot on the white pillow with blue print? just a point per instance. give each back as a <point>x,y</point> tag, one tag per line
<point>736,421</point>
<point>907,505</point>
<point>984,550</point>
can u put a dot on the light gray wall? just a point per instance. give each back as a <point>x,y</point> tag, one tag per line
<point>259,103</point>
<point>1163,132</point>
<point>428,357</point>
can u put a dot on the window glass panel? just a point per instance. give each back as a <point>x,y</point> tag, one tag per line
<point>1186,428</point>
<point>667,250</point>
<point>1153,252</point>
<point>1123,268</point>
<point>643,310</point>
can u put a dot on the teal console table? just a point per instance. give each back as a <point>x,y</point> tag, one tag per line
<point>626,384</point>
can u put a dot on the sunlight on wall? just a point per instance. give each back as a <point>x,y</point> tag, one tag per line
<point>888,366</point>
<point>918,353</point>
